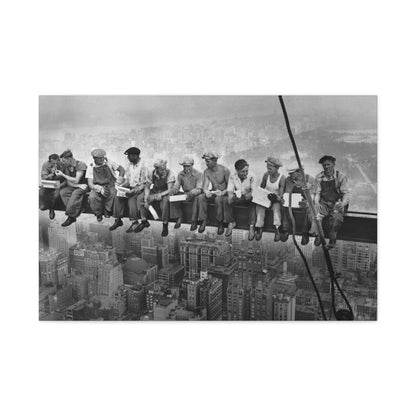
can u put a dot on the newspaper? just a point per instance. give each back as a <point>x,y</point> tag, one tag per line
<point>177,198</point>
<point>296,198</point>
<point>260,197</point>
<point>121,192</point>
<point>50,184</point>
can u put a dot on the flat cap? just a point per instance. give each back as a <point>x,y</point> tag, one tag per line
<point>210,155</point>
<point>274,161</point>
<point>132,151</point>
<point>159,163</point>
<point>65,154</point>
<point>327,157</point>
<point>187,160</point>
<point>98,153</point>
<point>294,168</point>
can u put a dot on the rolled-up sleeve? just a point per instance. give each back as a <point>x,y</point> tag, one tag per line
<point>344,189</point>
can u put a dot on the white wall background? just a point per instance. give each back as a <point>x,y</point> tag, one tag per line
<point>221,47</point>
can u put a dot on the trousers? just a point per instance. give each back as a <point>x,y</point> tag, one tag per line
<point>99,203</point>
<point>230,216</point>
<point>163,206</point>
<point>261,213</point>
<point>176,207</point>
<point>331,217</point>
<point>47,198</point>
<point>135,204</point>
<point>73,199</point>
<point>222,207</point>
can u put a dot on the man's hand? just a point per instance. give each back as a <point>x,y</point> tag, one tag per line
<point>105,192</point>
<point>248,196</point>
<point>339,206</point>
<point>232,199</point>
<point>119,180</point>
<point>83,186</point>
<point>59,173</point>
<point>151,198</point>
<point>272,198</point>
<point>97,188</point>
<point>303,204</point>
<point>158,197</point>
<point>194,192</point>
<point>208,194</point>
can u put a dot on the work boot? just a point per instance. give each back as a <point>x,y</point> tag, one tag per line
<point>132,227</point>
<point>305,239</point>
<point>178,223</point>
<point>51,214</point>
<point>251,233</point>
<point>317,241</point>
<point>68,221</point>
<point>117,223</point>
<point>230,228</point>
<point>165,231</point>
<point>332,243</point>
<point>259,233</point>
<point>277,235</point>
<point>194,226</point>
<point>201,228</point>
<point>107,214</point>
<point>144,224</point>
<point>99,217</point>
<point>284,235</point>
<point>220,228</point>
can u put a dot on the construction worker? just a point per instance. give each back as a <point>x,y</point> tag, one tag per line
<point>331,199</point>
<point>239,189</point>
<point>294,184</point>
<point>101,176</point>
<point>190,180</point>
<point>163,180</point>
<point>48,196</point>
<point>216,176</point>
<point>274,182</point>
<point>74,192</point>
<point>136,179</point>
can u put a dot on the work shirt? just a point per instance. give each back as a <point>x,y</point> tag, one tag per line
<point>218,178</point>
<point>235,184</point>
<point>188,182</point>
<point>48,171</point>
<point>136,174</point>
<point>112,165</point>
<point>161,184</point>
<point>276,187</point>
<point>341,184</point>
<point>72,170</point>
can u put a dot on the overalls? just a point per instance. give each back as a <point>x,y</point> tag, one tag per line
<point>72,197</point>
<point>329,196</point>
<point>102,175</point>
<point>161,185</point>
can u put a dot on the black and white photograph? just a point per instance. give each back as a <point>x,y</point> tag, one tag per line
<point>207,208</point>
<point>190,208</point>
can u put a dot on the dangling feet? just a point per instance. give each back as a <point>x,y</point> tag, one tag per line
<point>144,224</point>
<point>107,214</point>
<point>132,227</point>
<point>117,223</point>
<point>332,243</point>
<point>51,214</point>
<point>201,228</point>
<point>99,217</point>
<point>194,226</point>
<point>230,228</point>
<point>251,233</point>
<point>317,241</point>
<point>284,235</point>
<point>165,231</point>
<point>259,233</point>
<point>220,228</point>
<point>277,235</point>
<point>68,221</point>
<point>178,223</point>
<point>305,239</point>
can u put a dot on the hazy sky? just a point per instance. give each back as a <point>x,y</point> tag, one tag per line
<point>85,111</point>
